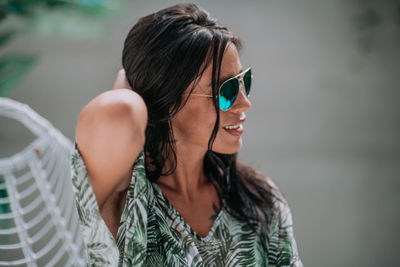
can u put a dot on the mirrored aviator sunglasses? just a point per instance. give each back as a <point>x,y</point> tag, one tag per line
<point>229,89</point>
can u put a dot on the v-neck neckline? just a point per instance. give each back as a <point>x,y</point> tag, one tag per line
<point>160,193</point>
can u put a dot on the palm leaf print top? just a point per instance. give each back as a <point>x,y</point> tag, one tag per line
<point>152,233</point>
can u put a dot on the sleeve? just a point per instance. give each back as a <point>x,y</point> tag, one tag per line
<point>282,244</point>
<point>288,247</point>
<point>101,248</point>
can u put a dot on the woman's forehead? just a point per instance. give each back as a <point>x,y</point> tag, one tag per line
<point>230,67</point>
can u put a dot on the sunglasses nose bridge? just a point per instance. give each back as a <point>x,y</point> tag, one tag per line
<point>242,87</point>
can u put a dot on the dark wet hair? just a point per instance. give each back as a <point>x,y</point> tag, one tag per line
<point>163,54</point>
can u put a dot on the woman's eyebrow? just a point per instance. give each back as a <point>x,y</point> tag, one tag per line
<point>226,77</point>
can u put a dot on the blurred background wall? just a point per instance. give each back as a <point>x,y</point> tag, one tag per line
<point>325,118</point>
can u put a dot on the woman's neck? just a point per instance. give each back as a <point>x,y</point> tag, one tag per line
<point>188,178</point>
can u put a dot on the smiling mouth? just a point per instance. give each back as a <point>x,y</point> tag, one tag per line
<point>235,130</point>
<point>233,127</point>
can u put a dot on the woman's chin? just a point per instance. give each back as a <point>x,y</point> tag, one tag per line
<point>229,148</point>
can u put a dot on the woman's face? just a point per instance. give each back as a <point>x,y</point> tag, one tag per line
<point>194,123</point>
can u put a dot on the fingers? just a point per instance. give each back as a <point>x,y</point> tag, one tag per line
<point>121,81</point>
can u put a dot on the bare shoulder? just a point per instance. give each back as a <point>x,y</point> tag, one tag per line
<point>110,135</point>
<point>124,103</point>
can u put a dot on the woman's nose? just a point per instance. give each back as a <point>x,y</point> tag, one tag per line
<point>242,102</point>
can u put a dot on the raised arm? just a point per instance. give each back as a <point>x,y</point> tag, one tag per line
<point>110,135</point>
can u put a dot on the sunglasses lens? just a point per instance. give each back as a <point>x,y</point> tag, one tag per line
<point>247,81</point>
<point>228,93</point>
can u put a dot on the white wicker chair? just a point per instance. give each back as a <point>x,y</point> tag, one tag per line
<point>38,219</point>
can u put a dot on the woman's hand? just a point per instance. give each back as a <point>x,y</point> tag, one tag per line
<point>121,82</point>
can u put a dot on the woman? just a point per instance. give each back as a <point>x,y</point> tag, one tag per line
<point>155,170</point>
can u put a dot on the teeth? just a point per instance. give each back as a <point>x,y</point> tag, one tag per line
<point>232,127</point>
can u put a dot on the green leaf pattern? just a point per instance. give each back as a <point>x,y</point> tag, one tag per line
<point>152,232</point>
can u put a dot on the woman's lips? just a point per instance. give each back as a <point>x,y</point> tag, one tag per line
<point>236,131</point>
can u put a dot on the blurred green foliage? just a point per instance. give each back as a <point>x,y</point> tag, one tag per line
<point>67,18</point>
